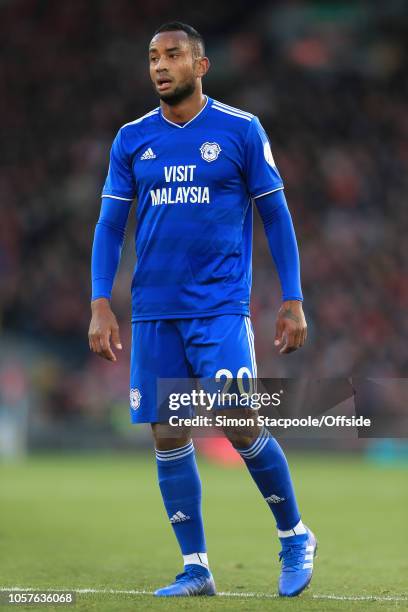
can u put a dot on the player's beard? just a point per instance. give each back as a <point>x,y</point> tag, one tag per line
<point>180,93</point>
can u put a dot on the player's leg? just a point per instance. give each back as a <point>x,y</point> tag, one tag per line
<point>158,352</point>
<point>269,468</point>
<point>180,486</point>
<point>225,344</point>
<point>222,346</point>
<point>267,464</point>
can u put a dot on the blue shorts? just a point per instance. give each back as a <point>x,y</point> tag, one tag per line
<point>185,349</point>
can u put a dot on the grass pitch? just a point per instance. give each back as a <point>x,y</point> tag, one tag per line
<point>98,522</point>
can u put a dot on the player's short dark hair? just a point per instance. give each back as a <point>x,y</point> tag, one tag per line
<point>195,38</point>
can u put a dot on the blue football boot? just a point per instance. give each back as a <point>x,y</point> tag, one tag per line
<point>297,556</point>
<point>195,580</point>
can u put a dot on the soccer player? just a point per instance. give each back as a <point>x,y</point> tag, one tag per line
<point>196,166</point>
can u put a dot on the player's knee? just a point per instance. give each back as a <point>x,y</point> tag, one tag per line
<point>168,438</point>
<point>241,437</point>
<point>238,440</point>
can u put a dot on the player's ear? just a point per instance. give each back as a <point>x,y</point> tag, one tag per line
<point>202,66</point>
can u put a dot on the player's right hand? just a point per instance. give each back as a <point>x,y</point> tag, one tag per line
<point>103,329</point>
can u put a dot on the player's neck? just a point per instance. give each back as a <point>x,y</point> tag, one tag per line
<point>186,110</point>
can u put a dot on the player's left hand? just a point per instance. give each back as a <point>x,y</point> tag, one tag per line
<point>291,328</point>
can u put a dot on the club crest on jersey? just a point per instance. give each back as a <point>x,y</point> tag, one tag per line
<point>210,151</point>
<point>135,397</point>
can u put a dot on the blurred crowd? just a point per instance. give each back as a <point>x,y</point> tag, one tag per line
<point>330,85</point>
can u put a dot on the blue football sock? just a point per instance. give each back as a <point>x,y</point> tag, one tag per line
<point>180,487</point>
<point>268,467</point>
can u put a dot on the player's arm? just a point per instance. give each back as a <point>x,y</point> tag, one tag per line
<point>106,252</point>
<point>265,186</point>
<point>291,329</point>
<point>117,195</point>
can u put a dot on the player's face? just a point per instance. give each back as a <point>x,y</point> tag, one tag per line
<point>173,69</point>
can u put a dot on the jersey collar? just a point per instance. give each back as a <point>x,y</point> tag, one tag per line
<point>197,116</point>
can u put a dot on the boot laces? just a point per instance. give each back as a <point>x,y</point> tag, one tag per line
<point>292,555</point>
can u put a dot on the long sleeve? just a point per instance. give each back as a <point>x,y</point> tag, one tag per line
<point>281,237</point>
<point>107,245</point>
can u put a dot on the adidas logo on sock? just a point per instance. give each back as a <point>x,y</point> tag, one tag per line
<point>179,517</point>
<point>274,499</point>
<point>148,154</point>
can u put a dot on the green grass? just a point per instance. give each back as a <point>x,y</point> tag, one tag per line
<point>98,522</point>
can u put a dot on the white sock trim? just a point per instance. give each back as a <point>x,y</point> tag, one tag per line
<point>175,453</point>
<point>298,529</point>
<point>200,558</point>
<point>257,446</point>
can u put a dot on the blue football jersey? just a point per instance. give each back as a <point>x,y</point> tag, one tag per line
<point>194,184</point>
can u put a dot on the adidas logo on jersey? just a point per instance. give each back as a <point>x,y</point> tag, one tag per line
<point>148,154</point>
<point>274,499</point>
<point>179,517</point>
